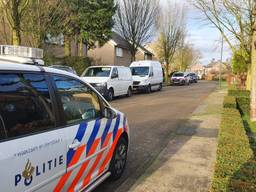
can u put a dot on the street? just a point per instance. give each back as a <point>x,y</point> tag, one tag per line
<point>153,121</point>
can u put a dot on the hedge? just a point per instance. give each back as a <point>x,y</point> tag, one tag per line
<point>243,104</point>
<point>229,102</point>
<point>77,63</point>
<point>235,166</point>
<point>238,93</point>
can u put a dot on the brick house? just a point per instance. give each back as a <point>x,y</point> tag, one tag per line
<point>116,52</point>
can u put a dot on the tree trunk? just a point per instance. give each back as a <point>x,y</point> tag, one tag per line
<point>253,77</point>
<point>86,49</point>
<point>66,46</point>
<point>167,72</point>
<point>81,48</point>
<point>248,80</point>
<point>133,56</point>
<point>15,37</point>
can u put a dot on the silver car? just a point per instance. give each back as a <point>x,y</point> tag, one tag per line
<point>180,78</point>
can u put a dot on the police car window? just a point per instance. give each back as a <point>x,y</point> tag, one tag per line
<point>3,133</point>
<point>25,104</point>
<point>78,100</point>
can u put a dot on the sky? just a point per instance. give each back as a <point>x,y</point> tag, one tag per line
<point>204,37</point>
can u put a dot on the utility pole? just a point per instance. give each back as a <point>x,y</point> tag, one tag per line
<point>221,58</point>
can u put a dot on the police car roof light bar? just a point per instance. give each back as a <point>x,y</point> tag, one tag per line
<point>21,51</point>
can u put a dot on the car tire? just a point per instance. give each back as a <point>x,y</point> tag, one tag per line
<point>129,92</point>
<point>160,87</point>
<point>118,161</point>
<point>110,94</point>
<point>148,89</point>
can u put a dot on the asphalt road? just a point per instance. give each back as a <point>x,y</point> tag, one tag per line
<point>153,121</point>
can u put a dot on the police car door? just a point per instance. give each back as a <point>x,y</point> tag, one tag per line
<point>32,150</point>
<point>86,133</point>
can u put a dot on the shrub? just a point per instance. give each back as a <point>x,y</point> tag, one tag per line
<point>51,60</point>
<point>229,102</point>
<point>233,153</point>
<point>77,63</point>
<point>238,93</point>
<point>243,104</point>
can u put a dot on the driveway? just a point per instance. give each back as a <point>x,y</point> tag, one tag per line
<point>153,121</point>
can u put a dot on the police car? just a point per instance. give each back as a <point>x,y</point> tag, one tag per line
<point>57,133</point>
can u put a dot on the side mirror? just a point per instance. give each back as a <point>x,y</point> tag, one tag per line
<point>109,113</point>
<point>151,74</point>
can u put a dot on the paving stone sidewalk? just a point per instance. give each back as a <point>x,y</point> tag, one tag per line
<point>187,162</point>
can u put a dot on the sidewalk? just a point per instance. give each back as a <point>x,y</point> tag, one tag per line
<point>187,162</point>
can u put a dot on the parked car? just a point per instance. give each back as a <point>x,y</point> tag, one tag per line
<point>64,68</point>
<point>147,75</point>
<point>193,77</point>
<point>180,78</point>
<point>57,133</point>
<point>110,81</point>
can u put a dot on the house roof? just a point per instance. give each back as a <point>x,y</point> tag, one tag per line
<point>122,43</point>
<point>119,41</point>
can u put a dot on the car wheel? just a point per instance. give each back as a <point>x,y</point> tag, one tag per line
<point>129,92</point>
<point>160,87</point>
<point>110,94</point>
<point>148,89</point>
<point>118,161</point>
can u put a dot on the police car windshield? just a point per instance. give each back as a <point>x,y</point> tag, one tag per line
<point>178,74</point>
<point>140,71</point>
<point>97,72</point>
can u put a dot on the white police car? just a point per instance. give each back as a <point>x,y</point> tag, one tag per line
<point>57,133</point>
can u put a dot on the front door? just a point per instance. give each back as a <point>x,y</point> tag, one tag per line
<point>115,83</point>
<point>32,150</point>
<point>84,133</point>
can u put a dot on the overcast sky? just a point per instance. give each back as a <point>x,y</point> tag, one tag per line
<point>203,37</point>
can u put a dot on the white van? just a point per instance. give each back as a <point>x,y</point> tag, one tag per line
<point>110,81</point>
<point>147,75</point>
<point>57,133</point>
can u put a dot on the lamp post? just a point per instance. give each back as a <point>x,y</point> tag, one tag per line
<point>221,58</point>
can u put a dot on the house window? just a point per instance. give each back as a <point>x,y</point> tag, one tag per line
<point>119,52</point>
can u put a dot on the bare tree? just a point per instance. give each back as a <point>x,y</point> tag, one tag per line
<point>172,33</point>
<point>234,20</point>
<point>14,11</point>
<point>186,56</point>
<point>42,18</point>
<point>135,22</point>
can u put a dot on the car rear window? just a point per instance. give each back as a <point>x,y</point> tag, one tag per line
<point>178,74</point>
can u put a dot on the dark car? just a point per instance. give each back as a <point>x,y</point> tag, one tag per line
<point>193,77</point>
<point>64,68</point>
